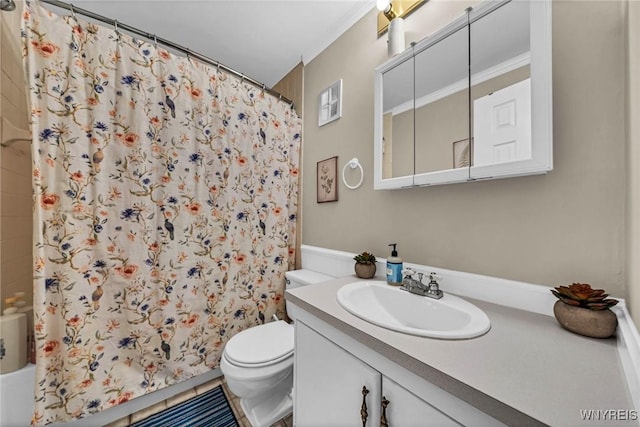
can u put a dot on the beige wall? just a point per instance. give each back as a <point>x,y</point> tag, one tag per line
<point>15,167</point>
<point>291,87</point>
<point>563,227</point>
<point>633,161</point>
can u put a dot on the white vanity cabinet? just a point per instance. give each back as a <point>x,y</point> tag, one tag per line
<point>404,408</point>
<point>328,390</point>
<point>328,383</point>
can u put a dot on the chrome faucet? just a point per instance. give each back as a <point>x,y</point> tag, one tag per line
<point>412,285</point>
<point>415,286</point>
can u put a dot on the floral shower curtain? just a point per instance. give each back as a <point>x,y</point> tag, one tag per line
<point>165,209</point>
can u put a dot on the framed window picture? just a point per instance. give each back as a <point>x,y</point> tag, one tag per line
<point>327,185</point>
<point>330,103</point>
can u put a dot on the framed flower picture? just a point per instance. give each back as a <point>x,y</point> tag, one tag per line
<point>327,184</point>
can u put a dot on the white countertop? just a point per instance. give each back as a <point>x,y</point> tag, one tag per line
<point>534,369</point>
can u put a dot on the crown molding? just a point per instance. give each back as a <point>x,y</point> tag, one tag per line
<point>357,12</point>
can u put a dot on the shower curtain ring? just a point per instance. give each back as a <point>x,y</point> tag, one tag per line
<point>115,27</point>
<point>242,80</point>
<point>73,12</point>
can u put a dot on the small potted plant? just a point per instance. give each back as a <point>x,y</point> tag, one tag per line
<point>365,265</point>
<point>584,310</point>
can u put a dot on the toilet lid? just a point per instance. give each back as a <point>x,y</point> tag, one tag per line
<point>259,345</point>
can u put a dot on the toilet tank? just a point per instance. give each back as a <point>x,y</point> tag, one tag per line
<point>297,278</point>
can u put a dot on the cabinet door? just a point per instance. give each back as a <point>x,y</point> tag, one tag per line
<point>394,124</point>
<point>328,384</point>
<point>406,409</point>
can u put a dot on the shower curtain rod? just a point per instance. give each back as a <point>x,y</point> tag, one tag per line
<point>152,37</point>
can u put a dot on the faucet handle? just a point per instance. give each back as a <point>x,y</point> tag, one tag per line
<point>433,277</point>
<point>408,273</point>
<point>433,286</point>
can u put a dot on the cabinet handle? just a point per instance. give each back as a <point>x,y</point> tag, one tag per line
<point>363,409</point>
<point>383,417</point>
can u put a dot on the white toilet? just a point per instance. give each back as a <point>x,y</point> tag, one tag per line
<point>257,363</point>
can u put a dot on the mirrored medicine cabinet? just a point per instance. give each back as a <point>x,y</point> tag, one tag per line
<point>471,101</point>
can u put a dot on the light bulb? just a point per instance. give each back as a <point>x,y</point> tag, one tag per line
<point>382,5</point>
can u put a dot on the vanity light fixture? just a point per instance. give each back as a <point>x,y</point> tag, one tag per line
<point>392,13</point>
<point>396,27</point>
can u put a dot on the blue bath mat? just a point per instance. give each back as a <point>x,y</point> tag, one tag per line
<point>210,409</point>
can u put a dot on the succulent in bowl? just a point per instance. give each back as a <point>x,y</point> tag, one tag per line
<point>582,295</point>
<point>365,258</point>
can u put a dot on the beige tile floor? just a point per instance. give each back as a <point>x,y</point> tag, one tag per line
<point>233,400</point>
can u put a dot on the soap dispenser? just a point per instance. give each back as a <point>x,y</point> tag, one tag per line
<point>394,267</point>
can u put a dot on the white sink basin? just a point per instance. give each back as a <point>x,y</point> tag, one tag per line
<point>393,308</point>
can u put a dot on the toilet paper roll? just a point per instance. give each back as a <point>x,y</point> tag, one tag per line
<point>13,342</point>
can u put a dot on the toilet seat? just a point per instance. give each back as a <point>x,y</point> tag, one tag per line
<point>261,346</point>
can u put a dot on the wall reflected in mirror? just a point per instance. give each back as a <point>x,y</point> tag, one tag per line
<point>398,123</point>
<point>441,101</point>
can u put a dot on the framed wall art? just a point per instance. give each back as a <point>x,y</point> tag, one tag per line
<point>330,103</point>
<point>327,184</point>
<point>461,151</point>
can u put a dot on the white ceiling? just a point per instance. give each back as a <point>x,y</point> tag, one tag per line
<point>263,39</point>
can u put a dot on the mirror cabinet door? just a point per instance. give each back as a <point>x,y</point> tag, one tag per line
<point>502,84</point>
<point>442,109</point>
<point>397,124</point>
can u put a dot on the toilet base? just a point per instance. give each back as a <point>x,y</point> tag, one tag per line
<point>270,404</point>
<point>268,411</point>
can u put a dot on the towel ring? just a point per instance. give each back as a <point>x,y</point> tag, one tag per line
<point>353,163</point>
